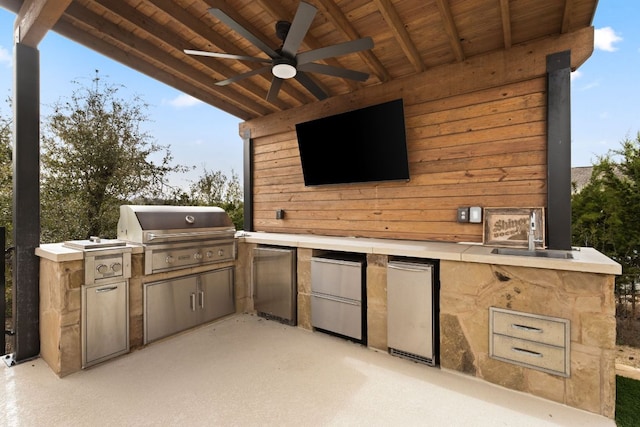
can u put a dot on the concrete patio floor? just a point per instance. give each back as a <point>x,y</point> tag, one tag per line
<point>247,371</point>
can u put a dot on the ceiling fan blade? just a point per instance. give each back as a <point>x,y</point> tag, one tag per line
<point>227,56</point>
<point>243,75</point>
<point>299,27</point>
<point>272,95</point>
<point>333,71</point>
<point>226,19</point>
<point>335,50</point>
<point>311,86</point>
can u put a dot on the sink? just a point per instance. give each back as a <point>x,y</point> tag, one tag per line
<point>546,253</point>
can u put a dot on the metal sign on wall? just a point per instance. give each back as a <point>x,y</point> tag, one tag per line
<point>511,226</point>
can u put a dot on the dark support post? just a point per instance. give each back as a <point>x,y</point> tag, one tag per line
<point>248,180</point>
<point>26,201</point>
<point>559,150</point>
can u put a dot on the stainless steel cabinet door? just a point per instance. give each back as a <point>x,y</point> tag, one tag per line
<point>215,295</point>
<point>170,306</point>
<point>105,322</point>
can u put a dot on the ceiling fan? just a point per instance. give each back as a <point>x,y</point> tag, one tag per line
<point>285,62</point>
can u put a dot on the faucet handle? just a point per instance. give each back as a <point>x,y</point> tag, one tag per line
<point>533,221</point>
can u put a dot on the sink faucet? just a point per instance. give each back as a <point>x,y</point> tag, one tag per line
<point>532,229</point>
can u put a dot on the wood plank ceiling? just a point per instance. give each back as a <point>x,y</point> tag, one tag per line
<point>410,36</point>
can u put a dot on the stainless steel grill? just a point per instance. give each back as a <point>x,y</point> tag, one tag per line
<point>176,237</point>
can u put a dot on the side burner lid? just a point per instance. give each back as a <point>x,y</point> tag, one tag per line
<point>93,243</point>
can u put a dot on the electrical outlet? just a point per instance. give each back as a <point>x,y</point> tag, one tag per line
<point>463,214</point>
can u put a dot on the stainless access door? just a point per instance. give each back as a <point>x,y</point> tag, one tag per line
<point>274,283</point>
<point>215,294</point>
<point>105,321</point>
<point>410,331</point>
<point>336,296</point>
<point>169,307</point>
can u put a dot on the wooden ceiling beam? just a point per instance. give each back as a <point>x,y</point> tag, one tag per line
<point>160,33</point>
<point>74,33</point>
<point>401,34</point>
<point>450,29</point>
<point>505,14</point>
<point>566,16</point>
<point>36,18</point>
<point>132,46</point>
<point>333,13</point>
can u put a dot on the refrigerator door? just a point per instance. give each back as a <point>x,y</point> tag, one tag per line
<point>274,283</point>
<point>410,331</point>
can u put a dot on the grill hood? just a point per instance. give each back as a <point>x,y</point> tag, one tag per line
<point>149,224</point>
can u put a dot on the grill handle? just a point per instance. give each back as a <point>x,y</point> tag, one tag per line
<point>154,236</point>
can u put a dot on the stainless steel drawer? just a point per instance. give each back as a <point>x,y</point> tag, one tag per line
<point>531,340</point>
<point>337,315</point>
<point>529,327</point>
<point>536,355</point>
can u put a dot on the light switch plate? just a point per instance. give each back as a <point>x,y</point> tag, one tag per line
<point>475,214</point>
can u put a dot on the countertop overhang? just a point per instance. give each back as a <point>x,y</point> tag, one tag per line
<point>586,260</point>
<point>58,252</point>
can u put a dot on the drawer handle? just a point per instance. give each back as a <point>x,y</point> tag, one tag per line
<point>109,289</point>
<point>526,328</point>
<point>526,352</point>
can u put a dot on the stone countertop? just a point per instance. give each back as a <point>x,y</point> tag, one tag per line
<point>57,252</point>
<point>586,260</point>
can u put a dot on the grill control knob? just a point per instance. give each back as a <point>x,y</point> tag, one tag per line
<point>102,268</point>
<point>169,259</point>
<point>116,267</point>
<point>221,252</point>
<point>197,255</point>
<point>209,254</point>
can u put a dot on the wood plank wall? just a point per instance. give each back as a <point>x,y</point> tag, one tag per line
<point>476,136</point>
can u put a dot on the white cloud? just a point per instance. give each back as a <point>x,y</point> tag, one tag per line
<point>184,101</point>
<point>576,75</point>
<point>604,38</point>
<point>5,57</point>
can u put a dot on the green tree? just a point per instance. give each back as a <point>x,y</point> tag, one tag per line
<point>216,189</point>
<point>6,203</point>
<point>95,157</point>
<point>6,176</point>
<point>605,212</point>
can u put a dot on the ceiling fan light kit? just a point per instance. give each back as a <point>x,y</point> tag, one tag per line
<point>285,62</point>
<point>284,70</point>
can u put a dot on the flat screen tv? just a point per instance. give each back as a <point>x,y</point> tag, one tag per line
<point>364,145</point>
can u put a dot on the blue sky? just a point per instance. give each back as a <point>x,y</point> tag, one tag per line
<point>605,94</point>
